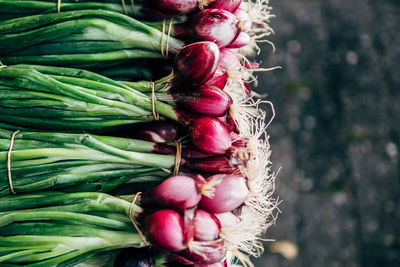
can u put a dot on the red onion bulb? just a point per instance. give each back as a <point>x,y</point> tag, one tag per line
<point>230,191</point>
<point>164,229</point>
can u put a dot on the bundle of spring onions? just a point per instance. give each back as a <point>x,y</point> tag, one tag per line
<point>69,135</point>
<point>10,9</point>
<point>81,38</point>
<point>83,162</point>
<point>41,97</point>
<point>54,228</point>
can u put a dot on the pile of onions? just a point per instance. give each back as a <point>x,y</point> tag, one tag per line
<point>185,221</point>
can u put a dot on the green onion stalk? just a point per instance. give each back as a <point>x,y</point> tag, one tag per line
<point>64,99</point>
<point>10,9</point>
<point>81,38</point>
<point>64,229</point>
<point>71,162</point>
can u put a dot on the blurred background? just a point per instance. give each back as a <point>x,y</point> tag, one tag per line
<point>336,134</point>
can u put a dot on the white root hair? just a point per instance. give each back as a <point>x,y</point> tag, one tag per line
<point>260,209</point>
<point>259,12</point>
<point>244,238</point>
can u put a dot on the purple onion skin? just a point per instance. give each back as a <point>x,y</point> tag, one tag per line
<point>216,25</point>
<point>177,192</point>
<point>219,79</point>
<point>196,63</point>
<point>244,18</point>
<point>213,165</point>
<point>164,229</point>
<point>175,7</point>
<point>208,256</point>
<point>242,40</point>
<point>229,193</point>
<point>229,60</point>
<point>204,100</point>
<point>187,153</point>
<point>217,264</point>
<point>206,225</point>
<point>227,219</point>
<point>229,5</point>
<point>209,135</point>
<point>155,131</point>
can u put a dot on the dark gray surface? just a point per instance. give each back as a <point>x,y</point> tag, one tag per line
<point>337,131</point>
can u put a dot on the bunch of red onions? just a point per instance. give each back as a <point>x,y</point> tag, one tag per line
<point>211,77</point>
<point>206,104</point>
<point>185,221</point>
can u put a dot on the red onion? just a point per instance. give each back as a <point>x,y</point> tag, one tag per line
<point>206,226</point>
<point>242,40</point>
<point>219,79</point>
<point>216,25</point>
<point>164,229</point>
<point>187,153</point>
<point>209,135</point>
<point>197,62</point>
<point>227,219</point>
<point>217,264</point>
<point>213,165</point>
<point>244,19</point>
<point>175,6</point>
<point>237,140</point>
<point>230,192</point>
<point>230,123</point>
<point>175,260</point>
<point>204,100</point>
<point>229,5</point>
<point>155,131</point>
<point>229,60</point>
<point>177,192</point>
<point>208,254</point>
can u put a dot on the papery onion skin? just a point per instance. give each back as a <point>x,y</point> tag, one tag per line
<point>219,79</point>
<point>242,40</point>
<point>206,225</point>
<point>229,60</point>
<point>244,18</point>
<point>212,253</point>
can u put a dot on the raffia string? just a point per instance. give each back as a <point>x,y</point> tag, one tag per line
<point>153,102</point>
<point>169,34</point>
<point>124,7</point>
<point>135,199</point>
<point>178,157</point>
<point>162,38</point>
<point>58,6</point>
<point>9,162</point>
<point>165,53</point>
